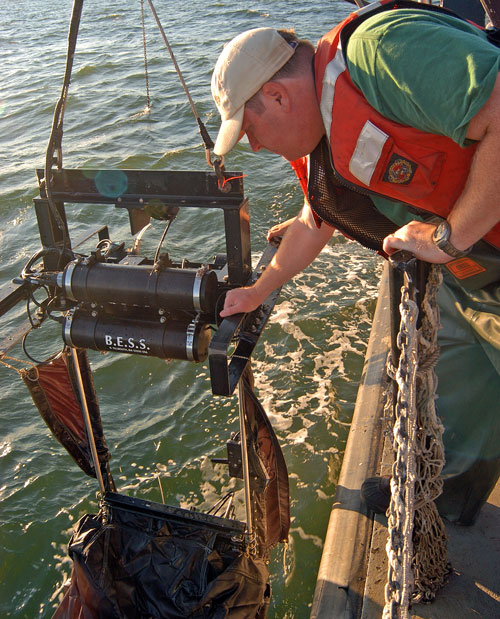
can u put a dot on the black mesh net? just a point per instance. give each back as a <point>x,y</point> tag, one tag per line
<point>151,561</point>
<point>352,213</point>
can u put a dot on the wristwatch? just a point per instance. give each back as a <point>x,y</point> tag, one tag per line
<point>440,238</point>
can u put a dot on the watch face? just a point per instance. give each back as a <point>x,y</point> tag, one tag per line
<point>441,236</point>
<point>441,233</point>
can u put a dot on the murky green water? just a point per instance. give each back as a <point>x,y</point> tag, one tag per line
<point>160,418</point>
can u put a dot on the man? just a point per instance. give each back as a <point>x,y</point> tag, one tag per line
<point>408,109</point>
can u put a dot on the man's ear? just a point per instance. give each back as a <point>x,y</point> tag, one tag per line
<point>276,94</point>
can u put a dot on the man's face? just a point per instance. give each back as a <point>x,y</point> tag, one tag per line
<point>276,128</point>
<point>263,132</point>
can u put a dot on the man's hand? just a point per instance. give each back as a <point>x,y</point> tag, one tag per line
<point>416,237</point>
<point>240,300</point>
<point>279,230</point>
<point>300,246</point>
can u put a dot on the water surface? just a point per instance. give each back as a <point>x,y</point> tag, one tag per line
<point>160,418</point>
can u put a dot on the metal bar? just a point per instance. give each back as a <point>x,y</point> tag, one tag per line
<point>86,419</point>
<point>225,373</point>
<point>50,233</point>
<point>102,232</point>
<point>11,294</point>
<point>15,337</point>
<point>492,9</point>
<point>218,354</point>
<point>233,529</point>
<point>237,227</point>
<point>122,187</point>
<point>227,513</point>
<point>244,456</point>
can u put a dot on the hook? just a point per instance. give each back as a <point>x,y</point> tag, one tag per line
<point>218,167</point>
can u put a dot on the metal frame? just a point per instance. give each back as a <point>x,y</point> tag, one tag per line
<point>177,189</point>
<point>133,190</point>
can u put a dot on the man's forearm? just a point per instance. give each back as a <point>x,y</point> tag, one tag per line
<point>477,210</point>
<point>299,247</point>
<point>301,244</point>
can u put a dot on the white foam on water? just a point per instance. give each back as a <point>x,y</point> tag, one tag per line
<point>304,363</point>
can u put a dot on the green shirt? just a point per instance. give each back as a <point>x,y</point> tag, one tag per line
<point>434,73</point>
<point>424,69</point>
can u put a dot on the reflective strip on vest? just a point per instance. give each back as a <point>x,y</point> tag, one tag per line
<point>333,69</point>
<point>371,140</point>
<point>369,7</point>
<point>367,153</point>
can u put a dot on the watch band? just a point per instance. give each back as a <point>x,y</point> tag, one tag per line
<point>440,238</point>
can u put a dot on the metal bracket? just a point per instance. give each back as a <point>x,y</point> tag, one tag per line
<point>226,369</point>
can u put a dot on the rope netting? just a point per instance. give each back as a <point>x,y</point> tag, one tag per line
<point>417,540</point>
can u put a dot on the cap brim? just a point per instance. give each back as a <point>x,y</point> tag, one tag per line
<point>229,133</point>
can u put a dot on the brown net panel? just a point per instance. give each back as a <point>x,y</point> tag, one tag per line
<point>53,389</point>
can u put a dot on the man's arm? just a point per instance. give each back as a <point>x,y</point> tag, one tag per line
<point>477,210</point>
<point>439,75</point>
<point>278,230</point>
<point>301,244</point>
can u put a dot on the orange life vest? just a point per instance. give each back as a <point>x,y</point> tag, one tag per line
<point>371,152</point>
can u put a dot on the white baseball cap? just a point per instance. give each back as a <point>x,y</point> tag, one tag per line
<point>244,66</point>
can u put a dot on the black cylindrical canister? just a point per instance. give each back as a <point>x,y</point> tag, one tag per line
<point>173,339</point>
<point>171,289</point>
